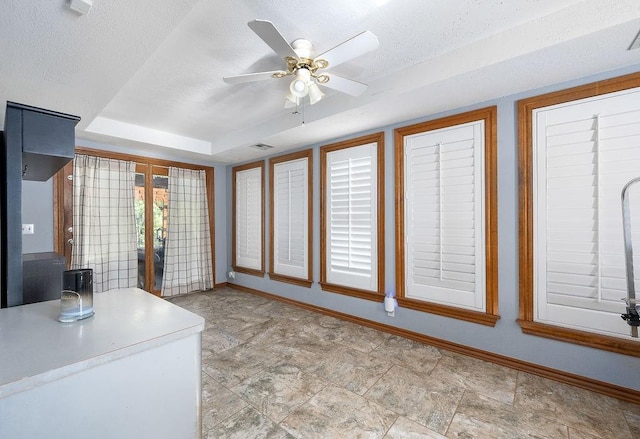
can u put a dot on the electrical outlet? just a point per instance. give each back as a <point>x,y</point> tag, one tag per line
<point>231,275</point>
<point>27,229</point>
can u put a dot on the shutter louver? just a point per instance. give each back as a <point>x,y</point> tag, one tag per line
<point>586,153</point>
<point>352,222</point>
<point>444,223</point>
<point>291,218</point>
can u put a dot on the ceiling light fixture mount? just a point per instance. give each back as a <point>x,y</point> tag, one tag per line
<point>82,7</point>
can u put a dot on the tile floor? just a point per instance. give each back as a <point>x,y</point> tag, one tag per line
<point>272,370</point>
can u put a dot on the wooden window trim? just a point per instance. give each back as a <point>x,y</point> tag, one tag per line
<point>490,117</point>
<point>526,216</point>
<point>377,138</point>
<point>308,154</point>
<point>63,202</point>
<point>235,170</point>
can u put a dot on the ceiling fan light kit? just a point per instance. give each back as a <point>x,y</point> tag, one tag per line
<point>301,65</point>
<point>315,94</point>
<point>300,85</point>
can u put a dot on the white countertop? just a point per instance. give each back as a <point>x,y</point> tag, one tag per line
<point>35,348</point>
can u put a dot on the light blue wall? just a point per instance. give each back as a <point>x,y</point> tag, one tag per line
<point>221,215</point>
<point>37,209</point>
<point>506,338</point>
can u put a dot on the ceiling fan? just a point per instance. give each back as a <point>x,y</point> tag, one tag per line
<point>307,71</point>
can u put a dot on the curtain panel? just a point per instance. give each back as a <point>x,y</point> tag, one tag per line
<point>187,265</point>
<point>104,224</point>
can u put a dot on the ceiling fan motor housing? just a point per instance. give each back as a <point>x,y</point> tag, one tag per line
<point>302,47</point>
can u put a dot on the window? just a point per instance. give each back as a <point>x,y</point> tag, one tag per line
<point>578,148</point>
<point>352,217</point>
<point>290,185</point>
<point>248,219</point>
<point>446,240</point>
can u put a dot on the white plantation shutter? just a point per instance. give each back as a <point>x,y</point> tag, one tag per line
<point>291,218</point>
<point>352,217</point>
<point>444,216</point>
<point>249,218</point>
<point>585,152</point>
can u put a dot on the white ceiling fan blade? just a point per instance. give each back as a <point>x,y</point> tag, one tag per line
<point>344,85</point>
<point>352,48</point>
<point>274,39</point>
<point>250,77</point>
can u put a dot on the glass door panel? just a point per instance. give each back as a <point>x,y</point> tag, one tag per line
<point>160,214</point>
<point>140,208</point>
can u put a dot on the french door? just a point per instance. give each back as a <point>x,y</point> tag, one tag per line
<point>151,206</point>
<point>152,209</point>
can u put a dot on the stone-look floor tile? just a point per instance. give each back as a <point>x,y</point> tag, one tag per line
<point>421,398</point>
<point>250,331</point>
<point>360,337</point>
<point>285,331</point>
<point>354,370</point>
<point>492,380</point>
<point>418,357</point>
<point>236,297</point>
<point>320,326</point>
<point>248,424</point>
<point>279,389</point>
<point>240,325</point>
<point>192,301</point>
<point>325,321</point>
<point>633,421</point>
<point>232,366</point>
<point>218,403</point>
<point>480,416</point>
<point>405,428</point>
<point>217,340</point>
<point>628,407</point>
<point>579,409</point>
<point>302,349</point>
<point>275,309</point>
<point>346,333</point>
<point>575,434</point>
<point>337,413</point>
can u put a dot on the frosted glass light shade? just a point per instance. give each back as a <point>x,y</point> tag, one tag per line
<point>300,86</point>
<point>315,94</point>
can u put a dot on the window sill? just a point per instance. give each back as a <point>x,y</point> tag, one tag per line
<point>291,280</point>
<point>450,311</point>
<point>584,338</point>
<point>354,292</point>
<point>250,271</point>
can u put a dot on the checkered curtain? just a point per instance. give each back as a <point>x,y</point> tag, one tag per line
<point>104,225</point>
<point>187,262</point>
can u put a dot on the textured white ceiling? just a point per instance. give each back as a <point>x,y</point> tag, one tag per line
<point>149,73</point>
